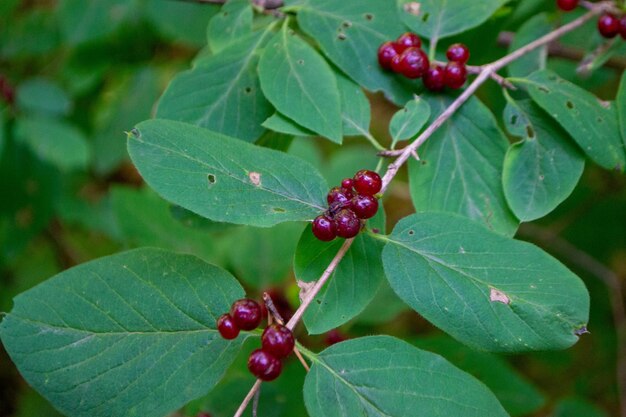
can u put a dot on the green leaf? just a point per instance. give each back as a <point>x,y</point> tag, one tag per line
<point>534,28</point>
<point>350,288</point>
<point>620,101</point>
<point>222,92</point>
<point>437,19</point>
<point>488,291</point>
<point>461,168</point>
<point>224,179</point>
<point>292,74</point>
<point>234,21</point>
<point>349,33</point>
<point>543,168</point>
<point>518,396</point>
<point>407,122</point>
<point>55,141</point>
<point>383,308</point>
<point>39,95</point>
<point>83,21</point>
<point>280,123</point>
<point>590,122</point>
<point>132,334</point>
<point>380,376</point>
<point>355,107</point>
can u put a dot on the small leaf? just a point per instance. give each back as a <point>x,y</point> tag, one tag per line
<point>461,168</point>
<point>486,290</point>
<point>380,376</point>
<point>355,107</point>
<point>300,84</point>
<point>534,28</point>
<point>282,124</point>
<point>541,170</point>
<point>407,122</point>
<point>225,179</point>
<point>39,95</point>
<point>234,21</point>
<point>132,334</point>
<point>220,90</point>
<point>591,123</point>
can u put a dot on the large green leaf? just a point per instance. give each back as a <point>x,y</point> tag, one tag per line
<point>380,376</point>
<point>543,168</point>
<point>486,290</point>
<point>232,22</point>
<point>301,84</point>
<point>224,179</point>
<point>461,168</point>
<point>592,123</point>
<point>127,335</point>
<point>408,121</point>
<point>280,123</point>
<point>438,19</point>
<point>621,107</point>
<point>534,28</point>
<point>349,33</point>
<point>222,91</point>
<point>355,108</point>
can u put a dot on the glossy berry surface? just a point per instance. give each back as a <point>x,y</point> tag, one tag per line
<point>386,52</point>
<point>364,206</point>
<point>246,314</point>
<point>458,53</point>
<point>408,40</point>
<point>324,228</point>
<point>622,27</point>
<point>339,195</point>
<point>264,365</point>
<point>396,63</point>
<point>347,183</point>
<point>413,63</point>
<point>434,78</point>
<point>347,223</point>
<point>455,75</point>
<point>278,340</point>
<point>227,327</point>
<point>367,182</point>
<point>608,25</point>
<point>567,5</point>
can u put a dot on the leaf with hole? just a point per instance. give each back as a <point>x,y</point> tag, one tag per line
<point>486,290</point>
<point>542,169</point>
<point>225,179</point>
<point>234,21</point>
<point>408,121</point>
<point>131,334</point>
<point>301,84</point>
<point>381,376</point>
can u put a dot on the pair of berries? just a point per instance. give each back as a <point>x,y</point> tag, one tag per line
<point>348,205</point>
<point>609,25</point>
<point>277,340</point>
<point>405,56</point>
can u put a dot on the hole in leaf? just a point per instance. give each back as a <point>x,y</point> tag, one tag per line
<point>530,132</point>
<point>599,120</point>
<point>135,133</point>
<point>341,36</point>
<point>212,179</point>
<point>279,210</point>
<point>423,162</point>
<point>569,105</point>
<point>514,119</point>
<point>544,90</point>
<point>225,14</point>
<point>411,232</point>
<point>301,61</point>
<point>248,90</point>
<point>541,177</point>
<point>318,301</point>
<point>369,16</point>
<point>425,17</point>
<point>346,24</point>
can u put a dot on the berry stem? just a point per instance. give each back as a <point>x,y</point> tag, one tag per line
<point>248,398</point>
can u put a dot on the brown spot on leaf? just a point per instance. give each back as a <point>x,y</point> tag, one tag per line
<point>255,178</point>
<point>413,8</point>
<point>498,296</point>
<point>305,288</point>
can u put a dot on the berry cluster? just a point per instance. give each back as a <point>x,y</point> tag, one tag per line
<point>609,25</point>
<point>277,341</point>
<point>405,56</point>
<point>355,200</point>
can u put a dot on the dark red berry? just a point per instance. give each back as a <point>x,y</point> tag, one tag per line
<point>458,53</point>
<point>386,52</point>
<point>434,79</point>
<point>347,223</point>
<point>324,228</point>
<point>608,25</point>
<point>278,340</point>
<point>364,206</point>
<point>347,183</point>
<point>567,5</point>
<point>408,40</point>
<point>413,63</point>
<point>246,314</point>
<point>455,75</point>
<point>367,182</point>
<point>622,26</point>
<point>227,327</point>
<point>264,365</point>
<point>339,195</point>
<point>334,336</point>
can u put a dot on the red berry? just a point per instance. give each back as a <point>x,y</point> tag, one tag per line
<point>324,228</point>
<point>386,52</point>
<point>396,63</point>
<point>455,75</point>
<point>567,5</point>
<point>622,26</point>
<point>413,63</point>
<point>278,340</point>
<point>367,182</point>
<point>434,79</point>
<point>364,206</point>
<point>264,365</point>
<point>246,314</point>
<point>339,195</point>
<point>408,40</point>
<point>347,183</point>
<point>227,327</point>
<point>458,53</point>
<point>608,25</point>
<point>347,223</point>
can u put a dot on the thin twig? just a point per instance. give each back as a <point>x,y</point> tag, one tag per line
<point>271,308</point>
<point>301,358</point>
<point>477,69</point>
<point>255,402</point>
<point>249,397</point>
